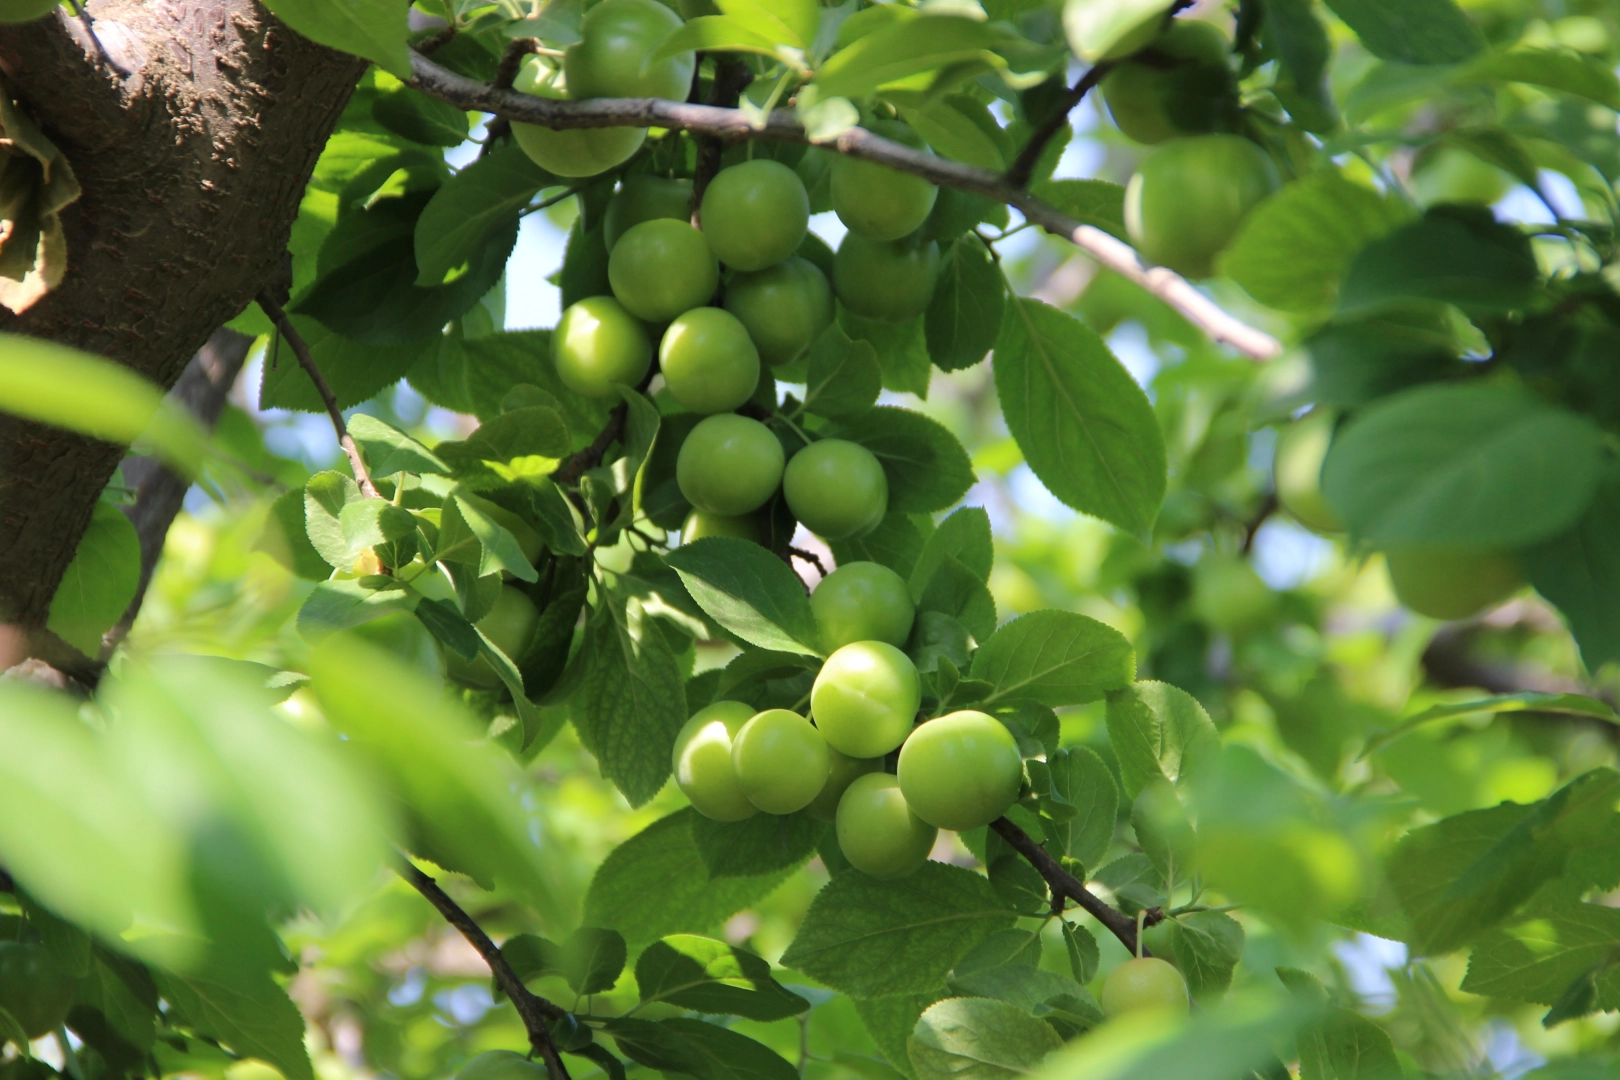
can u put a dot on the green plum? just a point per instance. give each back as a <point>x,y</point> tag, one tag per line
<point>573,151</point>
<point>863,601</point>
<point>865,699</point>
<point>501,1065</point>
<point>781,761</point>
<point>784,307</point>
<point>610,59</point>
<point>1181,85</point>
<point>599,347</point>
<point>1451,583</point>
<point>34,989</point>
<point>509,625</point>
<point>739,527</point>
<point>1297,471</point>
<point>961,770</point>
<point>1229,595</point>
<point>844,770</point>
<point>885,280</point>
<point>709,362</point>
<point>645,198</point>
<point>878,833</point>
<point>662,268</point>
<point>703,769</point>
<point>755,214</point>
<point>1189,197</point>
<point>878,202</point>
<point>836,488</point>
<point>729,465</point>
<point>1144,983</point>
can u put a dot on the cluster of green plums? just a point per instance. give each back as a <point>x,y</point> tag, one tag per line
<point>1192,191</point>
<point>958,771</point>
<point>1442,582</point>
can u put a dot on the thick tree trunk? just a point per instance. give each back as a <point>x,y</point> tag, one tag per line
<point>193,147</point>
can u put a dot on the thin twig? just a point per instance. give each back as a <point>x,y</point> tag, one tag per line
<point>516,51</point>
<point>1113,253</point>
<point>301,350</point>
<point>731,78</point>
<point>810,557</point>
<point>534,1010</point>
<point>1023,166</point>
<point>590,457</point>
<point>1061,882</point>
<point>435,41</point>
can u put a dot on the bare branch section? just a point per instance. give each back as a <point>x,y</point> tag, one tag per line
<point>300,349</point>
<point>1116,255</point>
<point>1062,883</point>
<point>535,1011</point>
<point>1023,166</point>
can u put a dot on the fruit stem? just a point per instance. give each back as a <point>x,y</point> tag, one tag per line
<point>1141,917</point>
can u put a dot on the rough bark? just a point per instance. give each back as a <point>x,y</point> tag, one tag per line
<point>193,132</point>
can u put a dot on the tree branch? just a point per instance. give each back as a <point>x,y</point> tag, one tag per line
<point>731,78</point>
<point>1116,255</point>
<point>534,1010</point>
<point>590,457</point>
<point>301,350</point>
<point>808,556</point>
<point>1023,166</point>
<point>1062,883</point>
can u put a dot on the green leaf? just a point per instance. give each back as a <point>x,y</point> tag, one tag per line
<point>926,466</point>
<point>1097,28</point>
<point>844,378</point>
<point>718,33</point>
<point>1219,1044</point>
<point>1339,1043</point>
<point>98,585</point>
<point>1055,657</point>
<point>110,988</point>
<point>709,976</point>
<point>1084,425</point>
<point>1411,31</point>
<point>1456,254</point>
<point>479,202</point>
<point>469,535</point>
<point>654,884</point>
<point>1301,44</point>
<point>748,591</point>
<point>955,591</point>
<point>1081,780</point>
<point>246,1010</point>
<point>1579,571</point>
<point>761,844</point>
<point>698,1048</point>
<point>456,792</point>
<point>964,535</point>
<point>1538,959</point>
<point>1476,465</point>
<point>344,603</point>
<point>1084,954</point>
<point>1035,990</point>
<point>1525,701</point>
<point>1568,72</point>
<point>591,959</point>
<point>1207,946</point>
<point>325,496</point>
<point>908,47</point>
<point>1098,203</point>
<point>1296,245</point>
<point>1159,731</point>
<point>63,387</point>
<point>871,938</point>
<point>1467,874</point>
<point>374,29</point>
<point>629,706</point>
<point>353,371</point>
<point>964,317</point>
<point>373,522</point>
<point>957,127</point>
<point>978,1039</point>
<point>901,349</point>
<point>285,539</point>
<point>896,543</point>
<point>891,1020</point>
<point>497,363</point>
<point>388,450</point>
<point>793,22</point>
<point>420,118</point>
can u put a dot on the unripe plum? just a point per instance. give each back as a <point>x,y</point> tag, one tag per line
<point>961,770</point>
<point>1180,86</point>
<point>876,201</point>
<point>844,771</point>
<point>781,761</point>
<point>729,465</point>
<point>703,768</point>
<point>509,625</point>
<point>755,214</point>
<point>865,699</point>
<point>882,280</point>
<point>863,601</point>
<point>573,151</point>
<point>645,198</point>
<point>1189,196</point>
<point>738,527</point>
<point>709,362</point>
<point>1144,983</point>
<point>501,1065</point>
<point>1297,471</point>
<point>610,59</point>
<point>598,347</point>
<point>1451,583</point>
<point>662,268</point>
<point>784,307</point>
<point>878,833</point>
<point>836,488</point>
